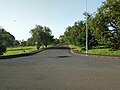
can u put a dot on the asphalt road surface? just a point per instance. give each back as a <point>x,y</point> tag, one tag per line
<point>57,69</point>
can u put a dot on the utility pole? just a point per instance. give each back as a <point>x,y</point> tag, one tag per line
<point>86,30</point>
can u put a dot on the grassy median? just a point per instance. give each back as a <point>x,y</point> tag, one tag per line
<point>101,50</point>
<point>18,50</point>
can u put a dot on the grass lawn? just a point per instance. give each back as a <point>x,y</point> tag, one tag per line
<point>98,50</point>
<point>105,51</point>
<point>75,48</point>
<point>18,50</point>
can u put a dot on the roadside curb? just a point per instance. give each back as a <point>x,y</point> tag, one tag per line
<point>93,55</point>
<point>22,54</point>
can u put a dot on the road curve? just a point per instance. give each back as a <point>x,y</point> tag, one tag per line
<point>57,69</point>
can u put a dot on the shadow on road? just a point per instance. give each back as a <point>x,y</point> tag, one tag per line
<point>63,56</point>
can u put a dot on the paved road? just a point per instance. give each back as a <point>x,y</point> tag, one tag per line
<point>57,69</point>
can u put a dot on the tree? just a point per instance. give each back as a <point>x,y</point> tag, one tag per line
<point>23,43</point>
<point>16,43</point>
<point>56,42</point>
<point>2,49</point>
<point>30,42</point>
<point>6,38</point>
<point>37,35</point>
<point>103,27</point>
<point>62,39</point>
<point>108,21</point>
<point>76,35</point>
<point>41,35</point>
<point>48,38</point>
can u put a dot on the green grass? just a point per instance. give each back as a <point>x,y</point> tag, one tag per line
<point>75,47</point>
<point>104,51</point>
<point>101,50</point>
<point>18,50</point>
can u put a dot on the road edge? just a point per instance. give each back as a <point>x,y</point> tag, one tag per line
<point>23,54</point>
<point>93,55</point>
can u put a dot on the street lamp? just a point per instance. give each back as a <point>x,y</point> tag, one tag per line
<point>86,30</point>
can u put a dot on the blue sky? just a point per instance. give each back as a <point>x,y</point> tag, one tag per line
<point>20,16</point>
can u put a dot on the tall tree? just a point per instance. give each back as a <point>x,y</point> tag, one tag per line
<point>76,35</point>
<point>42,35</point>
<point>48,38</point>
<point>6,38</point>
<point>30,42</point>
<point>37,35</point>
<point>108,21</point>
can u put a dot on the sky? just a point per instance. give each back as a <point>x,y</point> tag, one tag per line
<point>20,16</point>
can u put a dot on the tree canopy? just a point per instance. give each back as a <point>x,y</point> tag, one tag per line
<point>103,27</point>
<point>6,38</point>
<point>42,35</point>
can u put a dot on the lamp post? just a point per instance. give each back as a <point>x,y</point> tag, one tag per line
<point>86,30</point>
